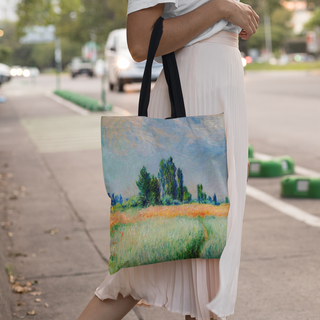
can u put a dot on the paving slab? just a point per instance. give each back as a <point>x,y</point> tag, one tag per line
<point>64,191</point>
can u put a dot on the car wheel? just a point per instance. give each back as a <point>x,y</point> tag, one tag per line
<point>111,86</point>
<point>120,85</point>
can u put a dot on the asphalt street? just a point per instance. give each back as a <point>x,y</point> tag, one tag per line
<point>56,229</point>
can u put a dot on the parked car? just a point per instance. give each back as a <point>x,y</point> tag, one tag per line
<point>4,73</point>
<point>121,67</point>
<point>79,66</point>
<point>17,71</point>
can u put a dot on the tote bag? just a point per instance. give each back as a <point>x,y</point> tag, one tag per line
<point>167,179</point>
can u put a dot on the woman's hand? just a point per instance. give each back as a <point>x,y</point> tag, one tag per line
<point>241,15</point>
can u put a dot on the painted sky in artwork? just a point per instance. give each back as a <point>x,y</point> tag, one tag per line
<point>196,144</point>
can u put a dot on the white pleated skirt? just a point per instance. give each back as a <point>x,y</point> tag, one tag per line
<point>212,81</point>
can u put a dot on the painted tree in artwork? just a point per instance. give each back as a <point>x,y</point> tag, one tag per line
<point>199,192</point>
<point>144,187</point>
<point>186,195</point>
<point>161,176</point>
<point>215,201</point>
<point>201,196</point>
<point>113,202</point>
<point>180,185</point>
<point>154,191</point>
<point>170,179</point>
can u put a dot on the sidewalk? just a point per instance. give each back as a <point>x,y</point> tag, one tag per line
<point>53,211</point>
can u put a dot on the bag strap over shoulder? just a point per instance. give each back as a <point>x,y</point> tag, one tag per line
<point>171,74</point>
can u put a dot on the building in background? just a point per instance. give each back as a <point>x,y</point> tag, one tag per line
<point>300,15</point>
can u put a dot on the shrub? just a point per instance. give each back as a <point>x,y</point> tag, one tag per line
<point>167,201</point>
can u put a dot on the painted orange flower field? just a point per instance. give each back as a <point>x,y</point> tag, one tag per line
<point>187,210</point>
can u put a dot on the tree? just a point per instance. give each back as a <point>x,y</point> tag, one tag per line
<point>144,186</point>
<point>113,202</point>
<point>170,178</point>
<point>199,192</point>
<point>167,177</point>
<point>154,191</point>
<point>161,176</point>
<point>186,195</point>
<point>180,185</point>
<point>314,21</point>
<point>280,19</point>
<point>77,20</point>
<point>215,201</point>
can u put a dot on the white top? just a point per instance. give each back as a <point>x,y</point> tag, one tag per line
<point>174,8</point>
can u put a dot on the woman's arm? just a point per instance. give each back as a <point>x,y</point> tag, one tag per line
<point>180,30</point>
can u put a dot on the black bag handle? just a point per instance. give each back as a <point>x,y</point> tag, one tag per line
<point>171,74</point>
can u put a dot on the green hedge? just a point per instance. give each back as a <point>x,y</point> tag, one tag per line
<point>82,101</point>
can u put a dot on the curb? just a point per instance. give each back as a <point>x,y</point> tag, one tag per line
<point>5,288</point>
<point>75,108</point>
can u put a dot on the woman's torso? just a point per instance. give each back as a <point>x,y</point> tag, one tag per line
<point>174,8</point>
<point>181,7</point>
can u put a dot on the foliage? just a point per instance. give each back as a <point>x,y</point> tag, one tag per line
<point>315,65</point>
<point>5,53</point>
<point>216,229</point>
<point>78,20</point>
<point>135,244</point>
<point>168,189</point>
<point>154,191</point>
<point>33,55</point>
<point>144,186</point>
<point>170,178</point>
<point>80,100</point>
<point>314,21</point>
<point>133,202</point>
<point>201,196</point>
<point>215,201</point>
<point>177,238</point>
<point>162,167</point>
<point>167,201</point>
<point>187,197</point>
<point>280,24</point>
<point>180,185</point>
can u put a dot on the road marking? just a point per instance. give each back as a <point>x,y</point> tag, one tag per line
<point>280,205</point>
<point>299,170</point>
<point>64,133</point>
<point>284,207</point>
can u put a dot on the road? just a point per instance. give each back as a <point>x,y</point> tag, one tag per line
<point>279,274</point>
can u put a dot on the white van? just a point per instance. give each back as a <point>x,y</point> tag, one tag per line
<point>121,67</point>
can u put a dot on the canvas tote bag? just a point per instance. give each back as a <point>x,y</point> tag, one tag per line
<point>167,179</point>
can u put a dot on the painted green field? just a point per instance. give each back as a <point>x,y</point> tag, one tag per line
<point>164,239</point>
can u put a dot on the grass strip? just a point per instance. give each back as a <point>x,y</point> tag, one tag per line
<point>314,65</point>
<point>82,101</point>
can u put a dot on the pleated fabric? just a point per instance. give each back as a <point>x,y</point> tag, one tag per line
<point>212,81</point>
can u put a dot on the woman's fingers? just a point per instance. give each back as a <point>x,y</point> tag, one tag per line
<point>243,16</point>
<point>255,18</point>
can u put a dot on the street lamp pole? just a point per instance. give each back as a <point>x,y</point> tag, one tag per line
<point>58,56</point>
<point>105,106</point>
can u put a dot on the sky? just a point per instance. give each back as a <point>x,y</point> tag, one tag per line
<point>196,144</point>
<point>8,10</point>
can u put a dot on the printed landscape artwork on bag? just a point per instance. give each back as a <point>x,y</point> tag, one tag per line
<point>167,180</point>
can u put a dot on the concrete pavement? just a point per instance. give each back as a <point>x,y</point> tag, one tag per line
<point>55,229</point>
<point>55,224</point>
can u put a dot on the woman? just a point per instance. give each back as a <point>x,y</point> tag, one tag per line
<point>204,35</point>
